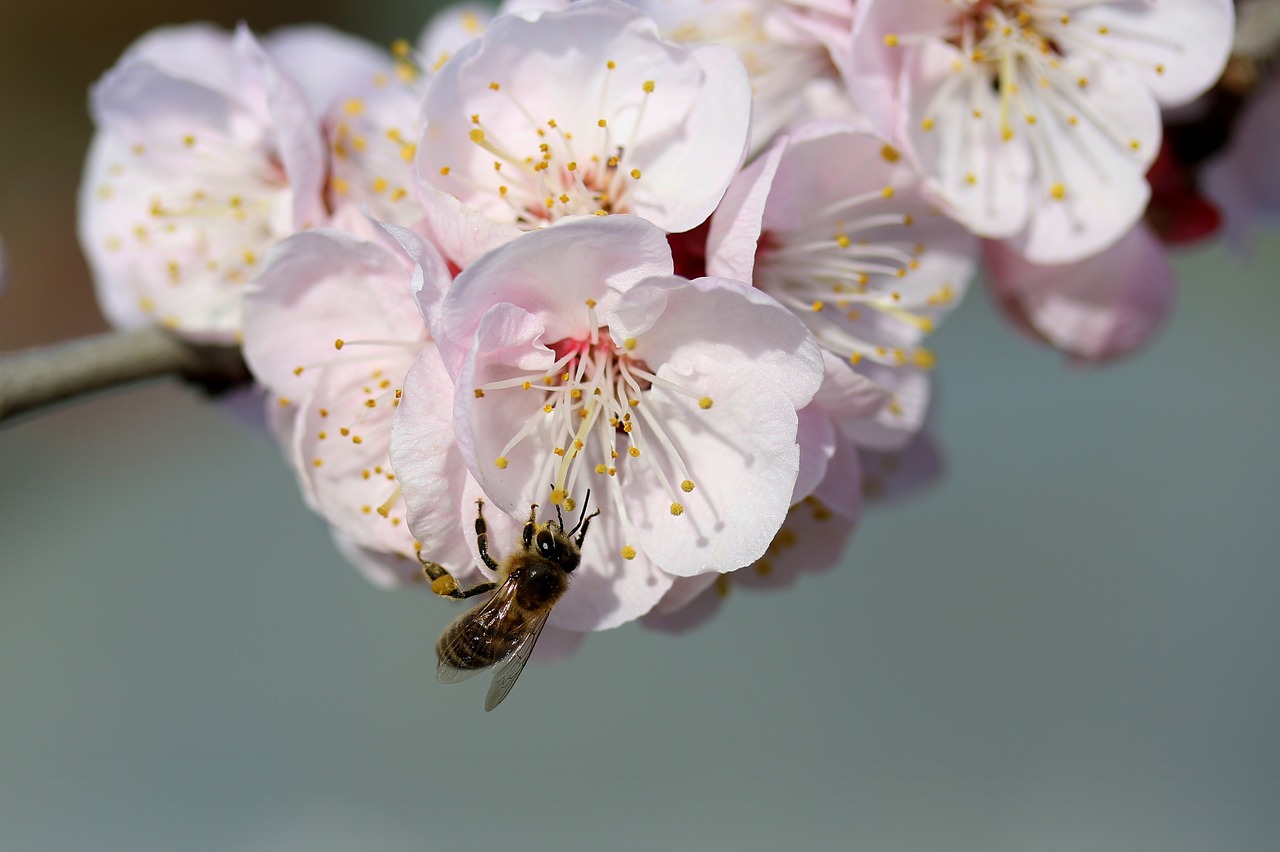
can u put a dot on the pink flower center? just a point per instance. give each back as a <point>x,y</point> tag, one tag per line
<point>597,415</point>
<point>544,170</point>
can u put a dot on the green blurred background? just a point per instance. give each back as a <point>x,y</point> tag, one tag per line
<point>1072,642</point>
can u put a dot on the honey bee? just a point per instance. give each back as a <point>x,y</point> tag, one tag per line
<point>502,631</point>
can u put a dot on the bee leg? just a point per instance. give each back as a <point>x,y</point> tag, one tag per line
<point>529,527</point>
<point>443,583</point>
<point>586,522</point>
<point>482,537</point>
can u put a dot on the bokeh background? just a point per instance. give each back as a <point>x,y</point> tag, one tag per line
<point>1071,642</point>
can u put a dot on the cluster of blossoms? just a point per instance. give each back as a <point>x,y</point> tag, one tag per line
<point>681,254</point>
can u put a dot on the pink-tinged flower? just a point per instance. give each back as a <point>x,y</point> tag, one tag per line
<point>1097,309</point>
<point>1036,121</point>
<point>585,110</point>
<point>331,329</point>
<point>832,224</point>
<point>1244,180</point>
<point>581,363</point>
<point>791,51</point>
<point>206,154</point>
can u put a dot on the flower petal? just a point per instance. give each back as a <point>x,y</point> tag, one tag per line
<point>1100,308</point>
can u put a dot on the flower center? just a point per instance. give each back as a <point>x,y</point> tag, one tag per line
<point>545,170</point>
<point>213,231</point>
<point>842,271</point>
<point>1020,52</point>
<point>600,411</point>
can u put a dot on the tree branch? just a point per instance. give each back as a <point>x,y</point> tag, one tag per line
<point>39,377</point>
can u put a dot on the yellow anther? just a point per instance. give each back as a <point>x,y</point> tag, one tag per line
<point>686,486</point>
<point>400,48</point>
<point>558,496</point>
<point>891,40</point>
<point>501,462</point>
<point>1057,191</point>
<point>704,403</point>
<point>353,106</point>
<point>890,153</point>
<point>635,173</point>
<point>647,86</point>
<point>337,344</point>
<point>677,509</point>
<point>628,552</point>
<point>629,344</point>
<point>887,192</point>
<point>602,123</point>
<point>476,135</point>
<point>634,452</point>
<point>479,392</point>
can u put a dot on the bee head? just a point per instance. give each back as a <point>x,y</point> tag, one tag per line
<point>555,546</point>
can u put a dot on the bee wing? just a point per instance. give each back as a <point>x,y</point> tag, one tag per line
<point>470,630</point>
<point>509,669</point>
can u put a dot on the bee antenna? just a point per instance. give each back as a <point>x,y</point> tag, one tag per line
<point>581,518</point>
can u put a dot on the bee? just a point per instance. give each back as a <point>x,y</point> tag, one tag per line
<point>502,631</point>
